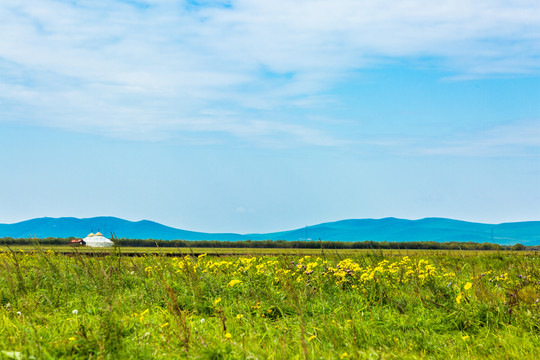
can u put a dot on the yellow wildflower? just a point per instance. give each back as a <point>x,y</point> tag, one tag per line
<point>142,315</point>
<point>467,286</point>
<point>228,335</point>
<point>234,282</point>
<point>312,337</point>
<point>217,301</point>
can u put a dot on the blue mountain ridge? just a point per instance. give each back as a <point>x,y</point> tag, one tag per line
<point>387,229</point>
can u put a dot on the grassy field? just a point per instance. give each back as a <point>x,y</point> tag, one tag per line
<point>337,305</point>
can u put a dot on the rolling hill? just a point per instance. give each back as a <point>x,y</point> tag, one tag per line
<point>69,226</point>
<point>387,229</point>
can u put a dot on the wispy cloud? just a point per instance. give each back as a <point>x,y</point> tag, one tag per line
<point>149,69</point>
<point>516,139</point>
<point>512,139</point>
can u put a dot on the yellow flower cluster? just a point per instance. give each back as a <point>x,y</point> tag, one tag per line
<point>401,271</point>
<point>307,269</point>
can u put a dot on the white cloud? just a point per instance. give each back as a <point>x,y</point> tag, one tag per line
<point>146,69</point>
<point>515,139</point>
<point>243,210</point>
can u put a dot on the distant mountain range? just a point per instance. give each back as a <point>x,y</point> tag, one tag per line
<point>387,229</point>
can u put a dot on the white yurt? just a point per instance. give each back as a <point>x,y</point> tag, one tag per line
<point>97,240</point>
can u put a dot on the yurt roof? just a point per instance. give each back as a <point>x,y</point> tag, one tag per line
<point>98,241</point>
<point>97,238</point>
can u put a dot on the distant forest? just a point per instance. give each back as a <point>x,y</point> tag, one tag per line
<point>282,244</point>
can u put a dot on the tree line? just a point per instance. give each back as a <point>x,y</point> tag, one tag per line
<point>282,244</point>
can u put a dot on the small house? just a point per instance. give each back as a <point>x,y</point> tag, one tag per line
<point>78,242</point>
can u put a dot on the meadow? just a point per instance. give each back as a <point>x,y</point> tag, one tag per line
<point>321,305</point>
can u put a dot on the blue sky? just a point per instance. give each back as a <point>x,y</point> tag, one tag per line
<point>256,116</point>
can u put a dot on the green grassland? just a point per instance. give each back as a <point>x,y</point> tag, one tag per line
<point>393,304</point>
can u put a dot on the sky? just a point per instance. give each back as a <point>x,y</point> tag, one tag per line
<point>258,116</point>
